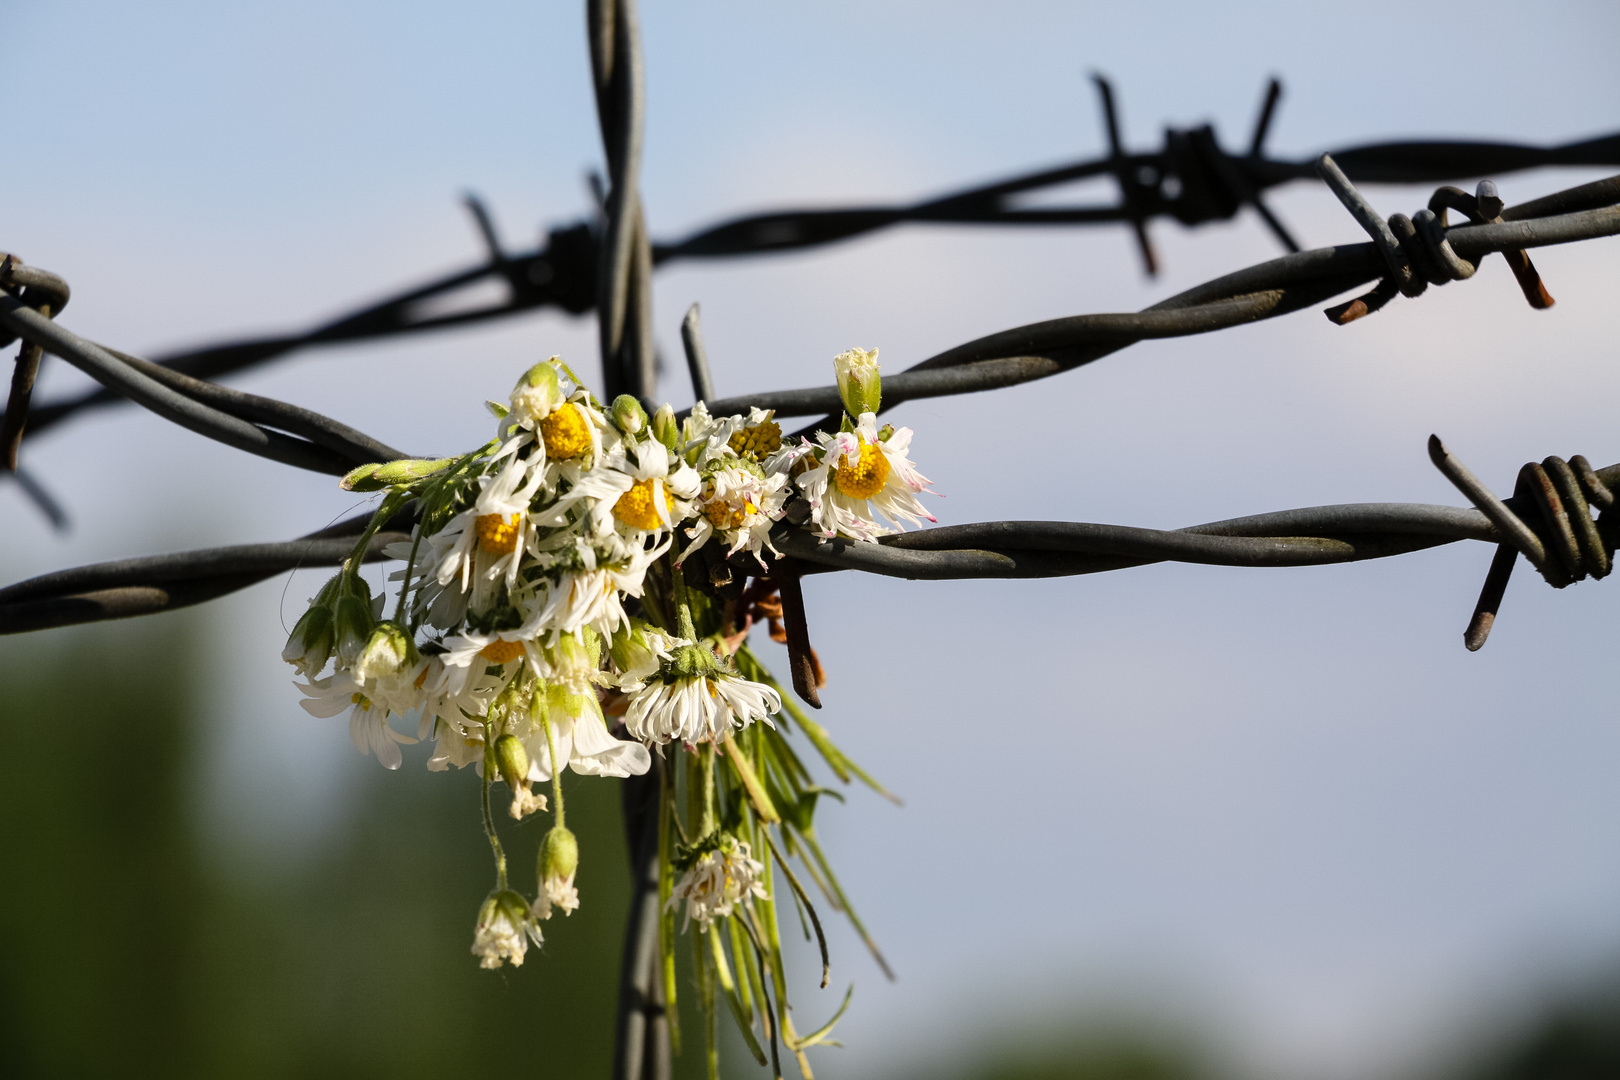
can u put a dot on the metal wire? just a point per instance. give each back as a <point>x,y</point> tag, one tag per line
<point>609,266</point>
<point>1001,549</point>
<point>1191,179</point>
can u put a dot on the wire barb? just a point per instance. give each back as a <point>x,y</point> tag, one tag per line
<point>1561,494</point>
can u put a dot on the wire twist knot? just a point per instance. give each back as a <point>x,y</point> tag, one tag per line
<point>1415,248</point>
<point>1561,538</point>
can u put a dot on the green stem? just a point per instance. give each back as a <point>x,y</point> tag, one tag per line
<point>489,819</point>
<point>405,582</point>
<point>556,766</point>
<point>390,506</point>
<point>710,819</point>
<point>683,611</point>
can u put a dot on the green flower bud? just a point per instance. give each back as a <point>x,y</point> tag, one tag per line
<point>512,760</point>
<point>577,654</point>
<point>559,861</point>
<point>388,652</point>
<point>691,662</point>
<point>859,382</point>
<point>537,393</point>
<point>353,621</point>
<point>360,478</point>
<point>664,428</point>
<point>629,415</point>
<point>636,650</point>
<point>559,855</point>
<point>404,471</point>
<point>309,646</point>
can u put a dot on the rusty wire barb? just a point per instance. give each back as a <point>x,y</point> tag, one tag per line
<point>1192,179</point>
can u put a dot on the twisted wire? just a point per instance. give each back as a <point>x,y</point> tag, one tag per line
<point>629,366</point>
<point>1209,184</point>
<point>1550,524</point>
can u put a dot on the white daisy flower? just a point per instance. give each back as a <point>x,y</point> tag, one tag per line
<point>369,729</point>
<point>693,700</point>
<point>756,436</point>
<point>484,544</point>
<point>859,476</point>
<point>717,881</point>
<point>740,504</point>
<point>584,589</point>
<point>634,488</point>
<point>581,736</point>
<point>458,742</point>
<point>472,653</point>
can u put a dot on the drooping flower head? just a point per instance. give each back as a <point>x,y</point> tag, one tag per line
<point>505,928</point>
<point>694,700</point>
<point>717,880</point>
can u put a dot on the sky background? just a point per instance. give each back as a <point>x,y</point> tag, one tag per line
<point>1285,808</point>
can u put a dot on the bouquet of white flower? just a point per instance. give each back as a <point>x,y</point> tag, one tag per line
<point>550,616</point>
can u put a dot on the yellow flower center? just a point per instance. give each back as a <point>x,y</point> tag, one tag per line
<point>723,516</point>
<point>758,441</point>
<point>499,651</point>
<point>565,433</point>
<point>361,700</point>
<point>497,534</point>
<point>866,477</point>
<point>635,507</point>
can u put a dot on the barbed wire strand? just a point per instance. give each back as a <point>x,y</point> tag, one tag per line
<point>1192,179</point>
<point>1261,291</point>
<point>642,1048</point>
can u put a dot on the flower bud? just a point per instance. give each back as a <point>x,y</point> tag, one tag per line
<point>637,650</point>
<point>859,382</point>
<point>664,428</point>
<point>537,393</point>
<point>629,415</point>
<point>353,621</point>
<point>309,646</point>
<point>559,861</point>
<point>504,922</point>
<point>404,471</point>
<point>388,651</point>
<point>559,854</point>
<point>512,760</point>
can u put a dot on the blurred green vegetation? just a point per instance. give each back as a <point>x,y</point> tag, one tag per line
<point>126,950</point>
<point>1576,1037</point>
<point>1098,1054</point>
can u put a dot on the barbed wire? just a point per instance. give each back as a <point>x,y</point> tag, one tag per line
<point>1192,179</point>
<point>306,439</point>
<point>1548,519</point>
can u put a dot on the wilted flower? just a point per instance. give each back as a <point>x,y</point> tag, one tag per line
<point>505,928</point>
<point>717,881</point>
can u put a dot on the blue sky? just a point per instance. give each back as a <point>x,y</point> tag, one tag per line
<point>1287,804</point>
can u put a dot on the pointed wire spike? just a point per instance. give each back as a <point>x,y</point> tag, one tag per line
<point>1490,598</point>
<point>1277,228</point>
<point>1515,532</point>
<point>1150,261</point>
<point>697,357</point>
<point>41,498</point>
<point>1262,123</point>
<point>485,224</point>
<point>1105,90</point>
